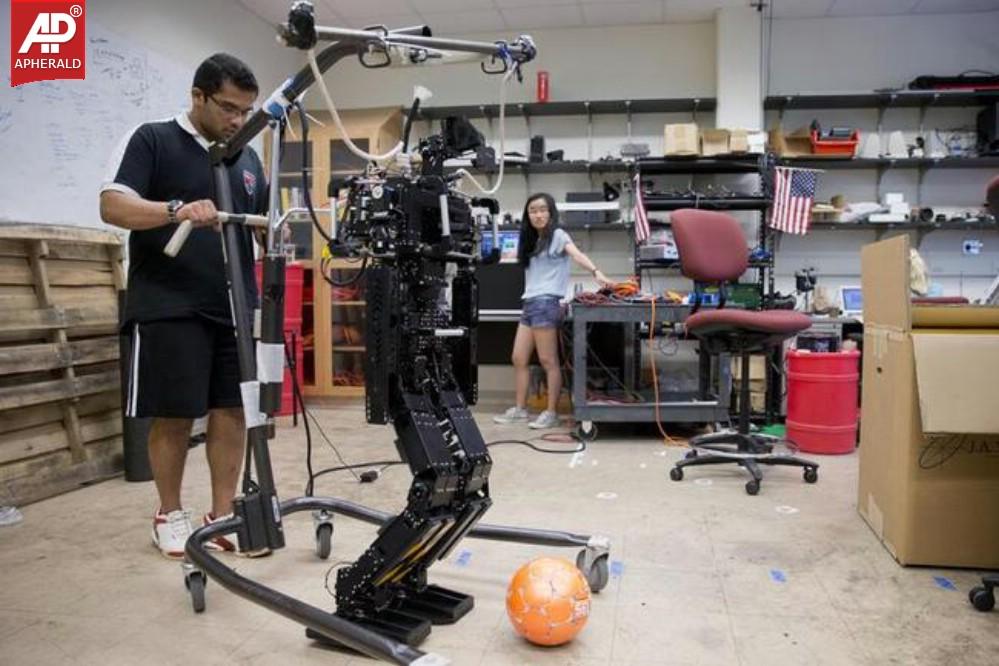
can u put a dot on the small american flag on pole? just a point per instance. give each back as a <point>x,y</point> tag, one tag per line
<point>794,194</point>
<point>642,232</point>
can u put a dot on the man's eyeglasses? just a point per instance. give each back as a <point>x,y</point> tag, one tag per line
<point>230,109</point>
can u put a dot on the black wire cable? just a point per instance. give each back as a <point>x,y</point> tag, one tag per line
<point>382,465</point>
<point>306,185</point>
<point>310,485</point>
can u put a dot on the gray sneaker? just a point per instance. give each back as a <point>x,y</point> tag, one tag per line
<point>546,419</point>
<point>512,415</point>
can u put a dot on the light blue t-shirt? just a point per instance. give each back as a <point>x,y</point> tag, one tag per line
<point>548,272</point>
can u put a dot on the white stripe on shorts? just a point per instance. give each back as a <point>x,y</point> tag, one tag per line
<point>133,376</point>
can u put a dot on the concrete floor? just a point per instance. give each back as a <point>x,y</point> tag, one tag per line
<point>702,574</point>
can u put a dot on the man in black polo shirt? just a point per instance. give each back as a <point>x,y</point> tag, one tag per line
<point>184,362</point>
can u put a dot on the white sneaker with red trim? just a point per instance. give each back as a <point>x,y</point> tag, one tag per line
<point>223,544</point>
<point>171,531</point>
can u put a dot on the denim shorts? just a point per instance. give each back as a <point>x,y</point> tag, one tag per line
<point>541,312</point>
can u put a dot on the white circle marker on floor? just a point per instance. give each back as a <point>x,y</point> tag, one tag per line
<point>703,482</point>
<point>606,496</point>
<point>786,510</point>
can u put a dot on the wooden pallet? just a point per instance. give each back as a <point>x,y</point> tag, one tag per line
<point>60,388</point>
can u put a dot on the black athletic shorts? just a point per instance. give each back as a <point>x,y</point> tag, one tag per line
<point>181,368</point>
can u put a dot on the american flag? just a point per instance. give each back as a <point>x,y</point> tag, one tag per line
<point>794,194</point>
<point>642,232</point>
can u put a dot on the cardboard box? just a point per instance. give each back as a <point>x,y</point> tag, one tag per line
<point>757,368</point>
<point>681,139</point>
<point>738,141</point>
<point>714,142</point>
<point>795,144</point>
<point>929,451</point>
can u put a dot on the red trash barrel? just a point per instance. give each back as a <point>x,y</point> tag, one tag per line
<point>822,400</point>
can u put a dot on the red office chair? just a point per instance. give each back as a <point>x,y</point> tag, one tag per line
<point>713,249</point>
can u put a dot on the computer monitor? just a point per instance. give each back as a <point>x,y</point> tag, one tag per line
<point>852,301</point>
<point>508,243</point>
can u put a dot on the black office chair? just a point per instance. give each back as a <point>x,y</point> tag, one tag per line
<point>712,249</point>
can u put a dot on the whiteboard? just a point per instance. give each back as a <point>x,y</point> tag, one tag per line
<point>56,136</point>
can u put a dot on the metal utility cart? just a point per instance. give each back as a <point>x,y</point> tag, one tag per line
<point>710,403</point>
<point>763,265</point>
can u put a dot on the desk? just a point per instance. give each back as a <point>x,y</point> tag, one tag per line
<point>701,406</point>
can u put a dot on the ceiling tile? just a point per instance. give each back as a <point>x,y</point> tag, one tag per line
<point>450,6</point>
<point>392,21</point>
<point>270,11</point>
<point>516,4</point>
<point>688,11</point>
<point>624,13</point>
<point>955,6</point>
<point>354,8</point>
<point>801,8</point>
<point>461,22</point>
<point>871,7</point>
<point>557,16</point>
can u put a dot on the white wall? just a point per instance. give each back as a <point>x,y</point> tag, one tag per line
<point>188,31</point>
<point>583,63</point>
<point>865,53</point>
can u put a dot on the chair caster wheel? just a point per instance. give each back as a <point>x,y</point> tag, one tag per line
<point>982,599</point>
<point>811,475</point>
<point>597,574</point>
<point>324,541</point>
<point>195,584</point>
<point>676,474</point>
<point>752,487</point>
<point>586,431</point>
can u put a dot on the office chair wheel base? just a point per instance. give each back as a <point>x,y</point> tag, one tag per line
<point>690,454</point>
<point>982,599</point>
<point>195,584</point>
<point>811,475</point>
<point>752,487</point>
<point>586,431</point>
<point>676,474</point>
<point>597,574</point>
<point>324,541</point>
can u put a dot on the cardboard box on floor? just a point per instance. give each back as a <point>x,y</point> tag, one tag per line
<point>929,451</point>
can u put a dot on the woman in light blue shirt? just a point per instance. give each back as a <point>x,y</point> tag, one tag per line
<point>544,251</point>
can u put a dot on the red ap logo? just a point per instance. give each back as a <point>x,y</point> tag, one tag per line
<point>47,40</point>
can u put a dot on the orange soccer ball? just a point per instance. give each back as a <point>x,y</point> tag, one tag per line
<point>548,601</point>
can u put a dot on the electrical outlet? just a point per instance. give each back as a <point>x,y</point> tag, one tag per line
<point>971,246</point>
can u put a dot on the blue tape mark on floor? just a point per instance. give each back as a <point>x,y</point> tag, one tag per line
<point>616,568</point>
<point>463,558</point>
<point>778,576</point>
<point>944,583</point>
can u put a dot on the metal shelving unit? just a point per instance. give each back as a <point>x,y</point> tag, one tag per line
<point>887,99</point>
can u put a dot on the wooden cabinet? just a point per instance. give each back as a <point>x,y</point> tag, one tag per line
<point>333,317</point>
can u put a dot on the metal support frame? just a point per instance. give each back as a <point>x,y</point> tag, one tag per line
<point>257,520</point>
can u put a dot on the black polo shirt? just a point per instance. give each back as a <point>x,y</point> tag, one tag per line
<point>166,160</point>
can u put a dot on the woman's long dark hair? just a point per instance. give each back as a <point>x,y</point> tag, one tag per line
<point>530,242</point>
